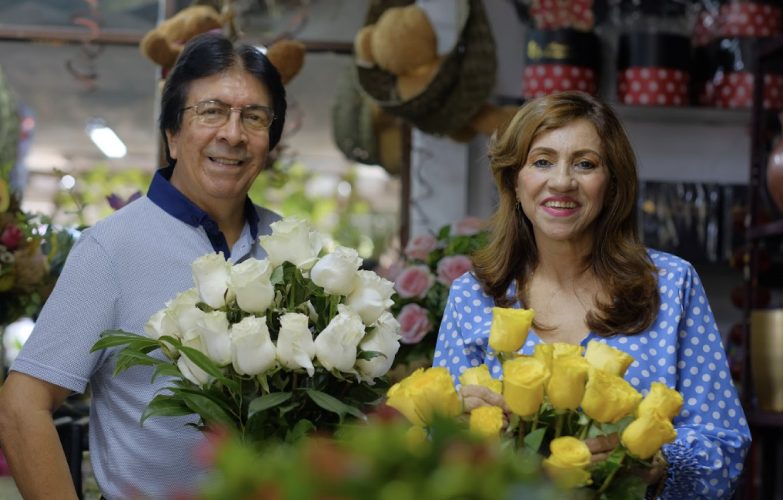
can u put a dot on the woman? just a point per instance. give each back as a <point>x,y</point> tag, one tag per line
<point>565,244</point>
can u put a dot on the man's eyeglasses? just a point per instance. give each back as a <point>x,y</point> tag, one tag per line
<point>216,114</point>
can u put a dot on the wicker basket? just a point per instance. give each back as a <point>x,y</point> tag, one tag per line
<point>457,92</point>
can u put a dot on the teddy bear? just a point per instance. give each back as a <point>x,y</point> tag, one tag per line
<point>163,43</point>
<point>403,42</point>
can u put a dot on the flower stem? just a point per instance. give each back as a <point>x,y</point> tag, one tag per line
<point>585,429</point>
<point>559,424</point>
<point>611,475</point>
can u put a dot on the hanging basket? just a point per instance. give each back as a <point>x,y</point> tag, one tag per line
<point>461,86</point>
<point>352,128</point>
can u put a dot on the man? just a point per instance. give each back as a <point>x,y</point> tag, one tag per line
<point>223,109</point>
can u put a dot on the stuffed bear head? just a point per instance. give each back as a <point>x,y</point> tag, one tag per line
<point>163,43</point>
<point>402,42</point>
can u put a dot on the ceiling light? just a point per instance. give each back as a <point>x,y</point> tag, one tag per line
<point>105,138</point>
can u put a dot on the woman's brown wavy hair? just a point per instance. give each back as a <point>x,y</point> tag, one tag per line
<point>618,259</point>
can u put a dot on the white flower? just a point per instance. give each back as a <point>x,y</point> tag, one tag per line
<point>371,296</point>
<point>154,326</point>
<point>335,346</point>
<point>211,274</point>
<point>383,338</point>
<point>292,240</point>
<point>213,330</point>
<point>189,369</point>
<point>252,350</point>
<point>250,282</point>
<point>336,272</point>
<point>182,315</point>
<point>295,347</point>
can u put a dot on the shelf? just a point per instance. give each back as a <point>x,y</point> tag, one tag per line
<point>765,419</point>
<point>770,229</point>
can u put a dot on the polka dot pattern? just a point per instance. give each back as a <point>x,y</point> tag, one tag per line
<point>554,14</point>
<point>543,79</point>
<point>735,90</point>
<point>648,86</point>
<point>749,19</point>
<point>678,349</point>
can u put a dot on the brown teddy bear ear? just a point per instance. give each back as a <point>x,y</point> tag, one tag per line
<point>288,57</point>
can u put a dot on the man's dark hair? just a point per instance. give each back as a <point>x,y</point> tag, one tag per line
<point>208,54</point>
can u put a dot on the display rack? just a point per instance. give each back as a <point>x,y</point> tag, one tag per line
<point>766,427</point>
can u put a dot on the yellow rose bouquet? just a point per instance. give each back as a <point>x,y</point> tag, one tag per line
<point>555,400</point>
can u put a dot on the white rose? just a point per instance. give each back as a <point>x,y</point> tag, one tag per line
<point>250,282</point>
<point>154,326</point>
<point>211,273</point>
<point>335,346</point>
<point>383,338</point>
<point>295,347</point>
<point>292,240</point>
<point>189,369</point>
<point>182,315</point>
<point>371,296</point>
<point>252,350</point>
<point>336,272</point>
<point>213,330</point>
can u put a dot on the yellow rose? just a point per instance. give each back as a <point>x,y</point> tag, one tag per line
<point>608,397</point>
<point>509,328</point>
<point>565,349</point>
<point>479,375</point>
<point>607,358</point>
<point>523,385</point>
<point>487,421</point>
<point>662,399</point>
<point>566,462</point>
<point>543,352</point>
<point>566,386</point>
<point>425,393</point>
<point>644,436</point>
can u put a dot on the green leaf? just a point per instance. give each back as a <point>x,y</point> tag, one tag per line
<point>334,405</point>
<point>301,429</point>
<point>114,338</point>
<point>534,439</point>
<point>202,361</point>
<point>207,408</point>
<point>128,358</point>
<point>268,401</point>
<point>165,370</point>
<point>369,354</point>
<point>165,405</point>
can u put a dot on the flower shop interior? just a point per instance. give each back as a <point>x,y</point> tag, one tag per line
<point>79,139</point>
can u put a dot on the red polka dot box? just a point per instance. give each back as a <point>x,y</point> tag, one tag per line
<point>559,60</point>
<point>653,69</point>
<point>729,81</point>
<point>749,19</point>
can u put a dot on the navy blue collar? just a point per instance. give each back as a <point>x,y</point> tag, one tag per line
<point>176,204</point>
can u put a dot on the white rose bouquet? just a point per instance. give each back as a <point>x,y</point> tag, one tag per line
<point>272,348</point>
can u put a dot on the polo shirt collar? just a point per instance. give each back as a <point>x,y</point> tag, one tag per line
<point>176,204</point>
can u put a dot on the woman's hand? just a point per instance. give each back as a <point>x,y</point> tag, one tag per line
<point>474,396</point>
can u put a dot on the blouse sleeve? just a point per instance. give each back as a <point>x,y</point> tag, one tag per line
<point>457,348</point>
<point>706,459</point>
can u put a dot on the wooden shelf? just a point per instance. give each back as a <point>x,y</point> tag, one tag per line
<point>766,230</point>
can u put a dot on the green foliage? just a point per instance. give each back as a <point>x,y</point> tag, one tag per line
<point>378,459</point>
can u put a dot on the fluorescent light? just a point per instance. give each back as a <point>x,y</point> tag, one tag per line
<point>105,138</point>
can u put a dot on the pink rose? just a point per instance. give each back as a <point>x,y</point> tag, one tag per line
<point>420,246</point>
<point>451,268</point>
<point>414,323</point>
<point>414,281</point>
<point>11,237</point>
<point>467,226</point>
